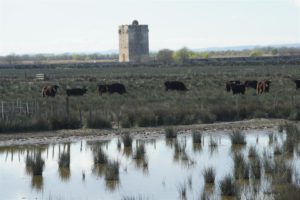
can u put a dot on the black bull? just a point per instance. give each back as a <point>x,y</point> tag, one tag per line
<point>297,82</point>
<point>175,85</point>
<point>76,91</point>
<point>111,88</point>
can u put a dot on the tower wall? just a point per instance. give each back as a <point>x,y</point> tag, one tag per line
<point>133,43</point>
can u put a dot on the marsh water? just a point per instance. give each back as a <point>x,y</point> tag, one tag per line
<point>162,173</point>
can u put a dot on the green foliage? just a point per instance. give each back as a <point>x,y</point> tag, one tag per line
<point>65,122</point>
<point>256,53</point>
<point>182,55</point>
<point>98,122</point>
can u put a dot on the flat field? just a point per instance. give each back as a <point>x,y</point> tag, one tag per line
<point>146,102</point>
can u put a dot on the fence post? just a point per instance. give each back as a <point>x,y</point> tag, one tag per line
<point>27,109</point>
<point>2,110</point>
<point>67,105</point>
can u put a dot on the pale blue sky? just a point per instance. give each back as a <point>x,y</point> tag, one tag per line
<point>56,26</point>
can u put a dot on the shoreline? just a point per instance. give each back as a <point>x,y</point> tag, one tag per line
<point>61,136</point>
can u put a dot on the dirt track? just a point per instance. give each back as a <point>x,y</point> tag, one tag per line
<point>96,134</point>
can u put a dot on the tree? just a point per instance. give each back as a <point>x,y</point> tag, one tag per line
<point>182,55</point>
<point>256,53</point>
<point>11,59</point>
<point>165,56</point>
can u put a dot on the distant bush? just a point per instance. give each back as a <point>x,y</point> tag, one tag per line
<point>71,122</point>
<point>98,122</point>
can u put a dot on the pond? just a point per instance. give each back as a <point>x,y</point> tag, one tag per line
<point>157,168</point>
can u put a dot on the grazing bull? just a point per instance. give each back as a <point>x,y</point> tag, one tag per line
<point>263,86</point>
<point>76,91</point>
<point>251,84</point>
<point>175,85</point>
<point>229,83</point>
<point>238,88</point>
<point>297,84</point>
<point>49,90</point>
<point>111,88</point>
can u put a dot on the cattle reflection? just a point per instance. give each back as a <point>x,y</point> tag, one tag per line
<point>64,162</point>
<point>34,166</point>
<point>139,156</point>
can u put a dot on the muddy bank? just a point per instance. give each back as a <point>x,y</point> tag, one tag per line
<point>146,133</point>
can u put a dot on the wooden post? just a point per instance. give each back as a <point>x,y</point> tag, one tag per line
<point>27,109</point>
<point>67,106</point>
<point>2,110</point>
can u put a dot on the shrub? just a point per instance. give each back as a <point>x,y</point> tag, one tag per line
<point>252,152</point>
<point>170,133</point>
<point>98,122</point>
<point>100,157</point>
<point>197,137</point>
<point>140,152</point>
<point>71,122</point>
<point>127,140</point>
<point>237,138</point>
<point>227,186</point>
<point>209,175</point>
<point>64,160</point>
<point>112,171</point>
<point>36,164</point>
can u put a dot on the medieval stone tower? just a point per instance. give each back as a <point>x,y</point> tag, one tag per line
<point>133,42</point>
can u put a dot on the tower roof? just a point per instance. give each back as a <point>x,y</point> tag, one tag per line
<point>135,22</point>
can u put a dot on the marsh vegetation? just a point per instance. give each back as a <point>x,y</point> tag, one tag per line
<point>167,168</point>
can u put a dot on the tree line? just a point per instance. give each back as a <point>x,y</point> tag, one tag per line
<point>164,55</point>
<point>184,54</point>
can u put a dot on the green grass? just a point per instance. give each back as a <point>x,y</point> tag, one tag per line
<point>127,140</point>
<point>100,157</point>
<point>227,186</point>
<point>197,137</point>
<point>36,164</point>
<point>146,103</point>
<point>209,175</point>
<point>112,171</point>
<point>237,138</point>
<point>139,152</point>
<point>170,133</point>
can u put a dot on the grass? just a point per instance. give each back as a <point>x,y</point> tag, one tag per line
<point>127,140</point>
<point>252,153</point>
<point>36,164</point>
<point>100,157</point>
<point>227,186</point>
<point>112,171</point>
<point>241,167</point>
<point>237,138</point>
<point>146,102</point>
<point>139,152</point>
<point>197,137</point>
<point>64,160</point>
<point>277,150</point>
<point>209,175</point>
<point>256,168</point>
<point>98,122</point>
<point>212,143</point>
<point>182,191</point>
<point>170,133</point>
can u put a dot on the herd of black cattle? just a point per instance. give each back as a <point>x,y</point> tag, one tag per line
<point>234,85</point>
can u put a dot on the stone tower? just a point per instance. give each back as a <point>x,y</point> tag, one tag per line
<point>133,42</point>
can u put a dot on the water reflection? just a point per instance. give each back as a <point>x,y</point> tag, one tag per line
<point>112,169</point>
<point>64,162</point>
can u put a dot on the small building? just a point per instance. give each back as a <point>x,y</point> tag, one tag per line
<point>133,42</point>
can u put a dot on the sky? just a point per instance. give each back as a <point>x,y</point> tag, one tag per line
<point>59,26</point>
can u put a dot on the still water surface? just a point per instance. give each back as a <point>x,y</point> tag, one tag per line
<point>160,175</point>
